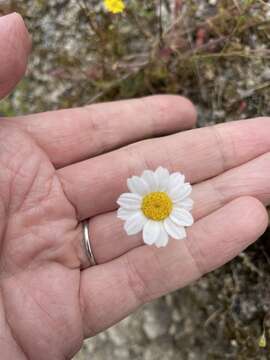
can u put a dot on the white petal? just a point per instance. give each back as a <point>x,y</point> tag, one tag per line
<point>151,232</point>
<point>150,179</point>
<point>180,191</point>
<point>124,214</point>
<point>138,185</point>
<point>176,232</point>
<point>162,176</point>
<point>175,179</point>
<point>163,238</point>
<point>135,223</point>
<point>186,203</point>
<point>130,201</point>
<point>181,217</point>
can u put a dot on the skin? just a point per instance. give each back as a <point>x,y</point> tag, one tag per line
<point>59,168</point>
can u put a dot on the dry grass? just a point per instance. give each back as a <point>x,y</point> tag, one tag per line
<point>218,56</point>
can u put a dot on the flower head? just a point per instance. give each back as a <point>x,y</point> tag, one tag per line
<point>114,6</point>
<point>158,204</point>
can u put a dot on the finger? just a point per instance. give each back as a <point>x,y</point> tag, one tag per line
<point>76,134</point>
<point>109,240</point>
<point>2,222</point>
<point>15,46</point>
<point>93,186</point>
<point>111,291</point>
<point>250,179</point>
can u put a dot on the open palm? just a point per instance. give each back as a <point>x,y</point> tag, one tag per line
<point>59,168</point>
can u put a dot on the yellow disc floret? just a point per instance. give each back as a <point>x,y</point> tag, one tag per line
<point>157,205</point>
<point>114,6</point>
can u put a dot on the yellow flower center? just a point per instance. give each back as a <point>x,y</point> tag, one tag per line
<point>114,6</point>
<point>157,206</point>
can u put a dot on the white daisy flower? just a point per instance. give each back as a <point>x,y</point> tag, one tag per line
<point>158,204</point>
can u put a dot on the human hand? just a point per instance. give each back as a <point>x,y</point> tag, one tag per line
<point>59,168</point>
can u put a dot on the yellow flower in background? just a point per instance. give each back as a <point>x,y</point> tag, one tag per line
<point>114,6</point>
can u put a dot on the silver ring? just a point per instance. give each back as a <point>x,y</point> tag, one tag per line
<point>87,245</point>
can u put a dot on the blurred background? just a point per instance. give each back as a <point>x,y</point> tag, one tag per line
<point>217,53</point>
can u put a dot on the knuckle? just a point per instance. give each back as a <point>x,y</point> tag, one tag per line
<point>227,151</point>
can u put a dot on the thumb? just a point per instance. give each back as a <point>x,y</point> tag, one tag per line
<point>15,45</point>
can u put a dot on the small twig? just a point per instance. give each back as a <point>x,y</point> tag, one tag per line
<point>265,54</point>
<point>237,6</point>
<point>137,22</point>
<point>87,12</point>
<point>212,317</point>
<point>115,83</point>
<point>96,31</point>
<point>161,41</point>
<point>195,61</point>
<point>250,265</point>
<point>265,255</point>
